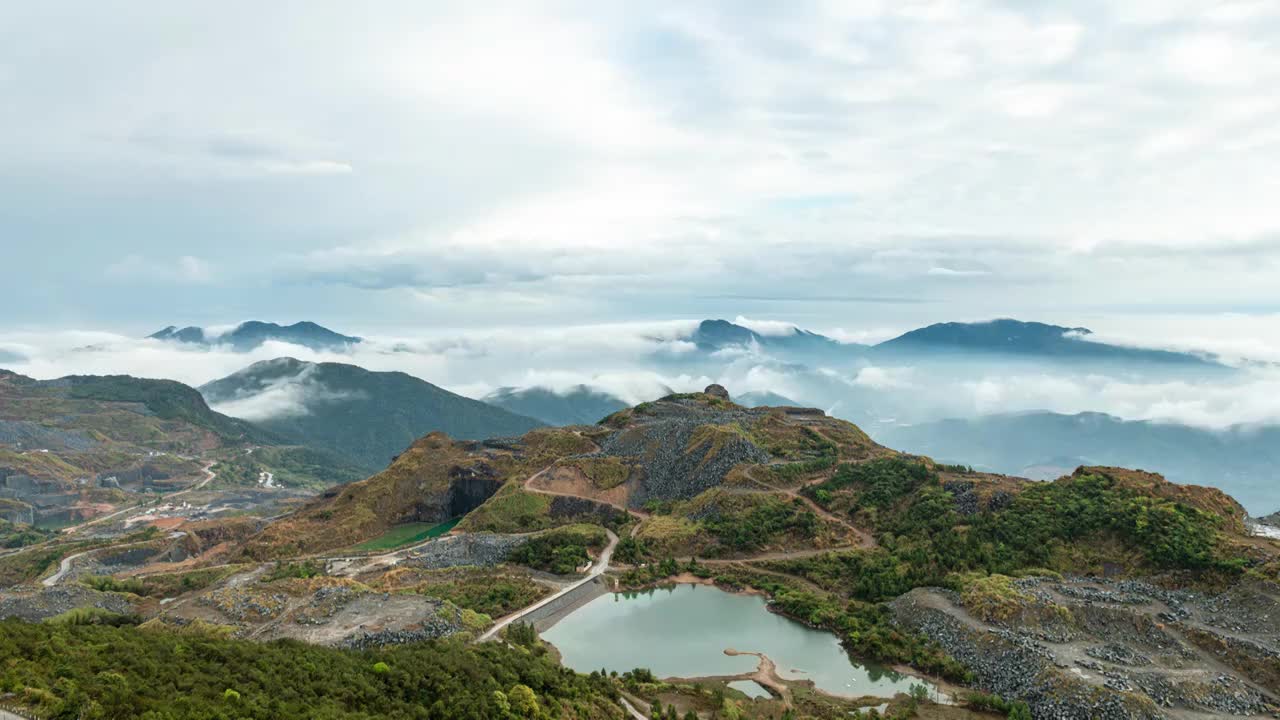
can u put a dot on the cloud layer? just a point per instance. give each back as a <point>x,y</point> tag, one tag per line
<point>641,361</point>
<point>495,163</point>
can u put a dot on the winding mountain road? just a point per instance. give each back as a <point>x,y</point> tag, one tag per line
<point>209,475</point>
<point>597,569</point>
<point>865,539</point>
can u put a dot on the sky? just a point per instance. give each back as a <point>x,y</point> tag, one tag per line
<point>852,164</point>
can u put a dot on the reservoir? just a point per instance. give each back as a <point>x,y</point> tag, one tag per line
<point>683,631</point>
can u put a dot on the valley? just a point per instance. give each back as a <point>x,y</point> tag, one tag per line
<point>926,575</point>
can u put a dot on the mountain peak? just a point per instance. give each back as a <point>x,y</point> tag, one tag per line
<point>1018,337</point>
<point>253,333</point>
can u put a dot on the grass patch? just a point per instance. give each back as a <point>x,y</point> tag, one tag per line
<point>489,591</point>
<point>604,473</point>
<point>511,509</point>
<point>407,534</point>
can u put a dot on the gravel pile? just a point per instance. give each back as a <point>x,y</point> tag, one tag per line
<point>480,549</point>
<point>1118,655</point>
<point>1224,694</point>
<point>962,496</point>
<point>564,506</point>
<point>1124,655</point>
<point>244,605</point>
<point>441,621</point>
<point>37,605</point>
<point>325,603</point>
<point>27,434</point>
<point>999,500</point>
<point>1014,666</point>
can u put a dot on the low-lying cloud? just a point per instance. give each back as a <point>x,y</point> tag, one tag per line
<point>642,361</point>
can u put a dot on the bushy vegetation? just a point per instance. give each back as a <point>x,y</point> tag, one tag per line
<point>106,583</point>
<point>923,539</point>
<point>560,551</point>
<point>604,472</point>
<point>741,529</point>
<point>720,523</point>
<point>99,671</point>
<point>489,591</point>
<point>304,570</point>
<point>167,399</point>
<point>875,484</point>
<point>13,535</point>
<point>30,564</point>
<point>865,628</point>
<point>292,467</point>
<point>174,584</point>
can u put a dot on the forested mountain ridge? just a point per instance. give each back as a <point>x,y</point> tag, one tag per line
<point>366,416</point>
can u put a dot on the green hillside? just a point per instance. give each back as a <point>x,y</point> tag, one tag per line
<point>367,417</point>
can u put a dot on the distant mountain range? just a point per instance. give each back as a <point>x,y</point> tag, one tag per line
<point>1014,337</point>
<point>252,334</point>
<point>1008,337</point>
<point>1244,462</point>
<point>714,335</point>
<point>366,416</point>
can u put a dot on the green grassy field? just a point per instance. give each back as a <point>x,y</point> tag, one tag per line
<point>406,534</point>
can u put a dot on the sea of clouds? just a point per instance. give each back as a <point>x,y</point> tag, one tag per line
<point>640,361</point>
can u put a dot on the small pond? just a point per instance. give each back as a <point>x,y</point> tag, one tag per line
<point>750,688</point>
<point>683,630</point>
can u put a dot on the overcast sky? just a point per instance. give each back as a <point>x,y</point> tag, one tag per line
<point>840,164</point>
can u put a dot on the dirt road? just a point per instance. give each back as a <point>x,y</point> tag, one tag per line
<point>597,569</point>
<point>864,538</point>
<point>209,475</point>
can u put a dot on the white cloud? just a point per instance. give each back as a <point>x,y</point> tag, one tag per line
<point>1034,100</point>
<point>286,397</point>
<point>585,157</point>
<point>636,362</point>
<point>881,378</point>
<point>776,328</point>
<point>1217,58</point>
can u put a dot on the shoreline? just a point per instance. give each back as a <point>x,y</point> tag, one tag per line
<point>766,673</point>
<point>589,592</point>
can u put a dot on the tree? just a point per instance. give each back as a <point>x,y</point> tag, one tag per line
<point>524,703</point>
<point>1020,711</point>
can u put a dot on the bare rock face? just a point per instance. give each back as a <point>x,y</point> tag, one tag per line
<point>715,390</point>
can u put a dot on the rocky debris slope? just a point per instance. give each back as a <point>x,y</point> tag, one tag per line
<point>1089,648</point>
<point>478,549</point>
<point>684,445</point>
<point>42,604</point>
<point>24,434</point>
<point>323,610</point>
<point>437,619</point>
